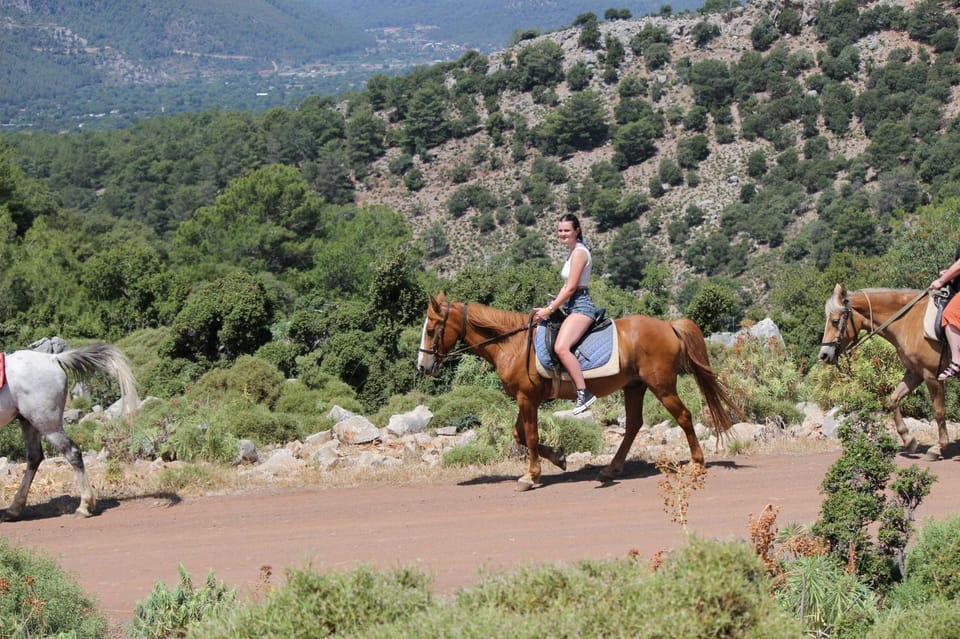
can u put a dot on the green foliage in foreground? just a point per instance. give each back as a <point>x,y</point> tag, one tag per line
<point>939,618</point>
<point>169,611</point>
<point>312,604</point>
<point>37,599</point>
<point>932,566</point>
<point>705,589</point>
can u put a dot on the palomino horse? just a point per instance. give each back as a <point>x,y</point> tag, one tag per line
<point>652,353</point>
<point>36,391</point>
<point>896,317</point>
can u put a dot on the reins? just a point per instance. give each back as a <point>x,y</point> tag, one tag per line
<point>461,337</point>
<point>848,312</point>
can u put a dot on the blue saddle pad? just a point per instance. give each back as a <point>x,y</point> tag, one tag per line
<point>593,352</point>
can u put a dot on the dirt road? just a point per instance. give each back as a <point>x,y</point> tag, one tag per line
<point>453,531</point>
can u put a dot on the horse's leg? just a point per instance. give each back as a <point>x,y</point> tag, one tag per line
<point>72,453</point>
<point>556,456</point>
<point>527,419</point>
<point>670,399</point>
<point>633,406</point>
<point>34,450</point>
<point>940,415</point>
<point>909,382</point>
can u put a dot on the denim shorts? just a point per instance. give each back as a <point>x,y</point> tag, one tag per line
<point>580,302</point>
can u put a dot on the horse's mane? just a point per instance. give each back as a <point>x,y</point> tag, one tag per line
<point>833,306</point>
<point>493,318</point>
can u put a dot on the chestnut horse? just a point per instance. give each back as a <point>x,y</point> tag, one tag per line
<point>896,316</point>
<point>652,353</point>
<point>35,391</point>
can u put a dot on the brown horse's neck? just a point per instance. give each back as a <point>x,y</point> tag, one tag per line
<point>875,306</point>
<point>486,324</point>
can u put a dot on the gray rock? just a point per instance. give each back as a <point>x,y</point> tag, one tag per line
<point>356,430</point>
<point>247,452</point>
<point>415,421</point>
<point>339,414</point>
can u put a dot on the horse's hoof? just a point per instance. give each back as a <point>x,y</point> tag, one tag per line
<point>523,485</point>
<point>6,515</point>
<point>82,512</point>
<point>911,445</point>
<point>933,454</point>
<point>606,475</point>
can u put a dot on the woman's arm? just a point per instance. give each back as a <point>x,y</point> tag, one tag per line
<point>946,275</point>
<point>578,261</point>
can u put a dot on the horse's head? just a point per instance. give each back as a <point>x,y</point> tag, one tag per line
<point>839,331</point>
<point>436,340</point>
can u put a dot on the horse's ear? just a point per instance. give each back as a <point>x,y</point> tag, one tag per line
<point>840,292</point>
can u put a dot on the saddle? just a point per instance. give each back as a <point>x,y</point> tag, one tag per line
<point>937,300</point>
<point>597,351</point>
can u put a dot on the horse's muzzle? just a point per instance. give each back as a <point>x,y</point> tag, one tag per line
<point>828,354</point>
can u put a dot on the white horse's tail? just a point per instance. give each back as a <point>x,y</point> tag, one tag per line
<point>87,360</point>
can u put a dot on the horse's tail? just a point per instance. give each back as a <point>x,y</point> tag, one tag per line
<point>696,361</point>
<point>106,358</point>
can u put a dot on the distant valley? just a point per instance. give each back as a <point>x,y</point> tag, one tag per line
<point>67,67</point>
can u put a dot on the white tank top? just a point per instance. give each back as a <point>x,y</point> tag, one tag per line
<point>585,273</point>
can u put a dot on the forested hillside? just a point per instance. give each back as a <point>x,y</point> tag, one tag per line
<point>728,165</point>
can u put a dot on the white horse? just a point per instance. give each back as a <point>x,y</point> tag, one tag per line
<point>35,390</point>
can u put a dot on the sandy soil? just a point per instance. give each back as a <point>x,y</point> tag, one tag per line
<point>456,531</point>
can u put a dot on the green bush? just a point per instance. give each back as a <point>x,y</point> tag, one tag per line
<point>827,600</point>
<point>714,589</point>
<point>312,604</point>
<point>932,565</point>
<point>572,434</point>
<point>862,382</point>
<point>763,378</point>
<point>463,406</point>
<point>296,397</point>
<point>38,599</point>
<point>250,377</point>
<point>11,444</point>
<point>473,452</point>
<point>938,618</point>
<point>168,612</point>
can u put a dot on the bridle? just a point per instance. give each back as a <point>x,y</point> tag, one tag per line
<point>461,337</point>
<point>846,316</point>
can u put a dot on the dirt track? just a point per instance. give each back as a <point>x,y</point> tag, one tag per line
<point>452,531</point>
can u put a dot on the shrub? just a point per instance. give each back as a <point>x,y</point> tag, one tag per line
<point>169,612</point>
<point>463,406</point>
<point>250,377</point>
<point>571,434</point>
<point>715,589</point>
<point>199,435</point>
<point>473,452</point>
<point>938,618</point>
<point>827,600</point>
<point>932,565</point>
<point>862,382</point>
<point>296,397</point>
<point>38,599</point>
<point>314,604</point>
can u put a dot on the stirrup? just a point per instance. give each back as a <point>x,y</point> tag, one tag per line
<point>949,372</point>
